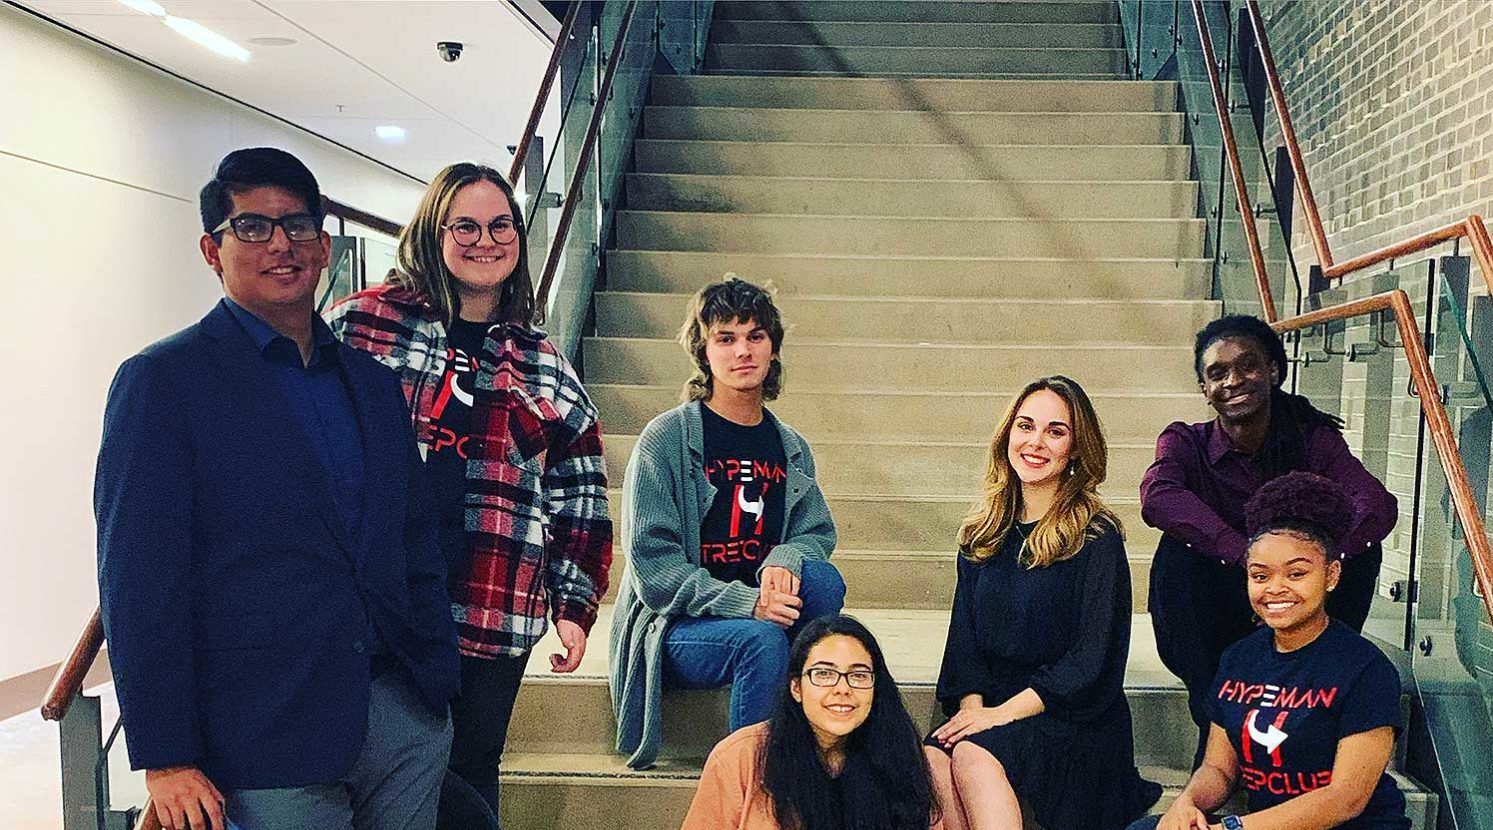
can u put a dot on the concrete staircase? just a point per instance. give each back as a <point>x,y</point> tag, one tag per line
<point>953,198</point>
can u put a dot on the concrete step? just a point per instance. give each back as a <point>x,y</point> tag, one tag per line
<point>836,366</point>
<point>926,277</point>
<point>936,161</point>
<point>966,415</point>
<point>765,124</point>
<point>938,320</point>
<point>986,35</point>
<point>945,76</point>
<point>905,579</point>
<point>891,11</point>
<point>928,368</point>
<point>911,640</point>
<point>876,521</point>
<point>926,94</point>
<point>912,197</point>
<point>595,791</point>
<point>696,720</point>
<point>923,60</point>
<point>906,468</point>
<point>909,236</point>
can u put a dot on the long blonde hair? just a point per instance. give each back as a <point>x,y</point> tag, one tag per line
<point>1077,513</point>
<point>422,267</point>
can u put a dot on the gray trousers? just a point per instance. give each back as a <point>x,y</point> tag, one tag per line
<point>394,784</point>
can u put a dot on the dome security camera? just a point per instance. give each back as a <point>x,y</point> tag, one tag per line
<point>449,50</point>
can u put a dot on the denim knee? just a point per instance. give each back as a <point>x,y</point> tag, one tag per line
<point>765,647</point>
<point>822,588</point>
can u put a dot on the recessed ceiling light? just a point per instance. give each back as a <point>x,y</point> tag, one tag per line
<point>207,38</point>
<point>389,132</point>
<point>273,41</point>
<point>149,7</point>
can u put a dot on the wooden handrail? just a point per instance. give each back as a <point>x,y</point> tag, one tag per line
<point>588,149</point>
<point>1472,228</point>
<point>1236,167</point>
<point>536,111</point>
<point>1288,134</point>
<point>1438,423</point>
<point>68,681</point>
<point>332,207</point>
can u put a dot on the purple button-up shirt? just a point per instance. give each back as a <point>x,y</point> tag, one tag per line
<point>1196,488</point>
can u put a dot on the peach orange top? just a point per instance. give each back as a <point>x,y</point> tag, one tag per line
<point>730,794</point>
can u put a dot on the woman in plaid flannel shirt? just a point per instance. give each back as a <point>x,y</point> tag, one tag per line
<point>512,445</point>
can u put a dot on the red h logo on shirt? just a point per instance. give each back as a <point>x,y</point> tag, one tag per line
<point>1272,738</point>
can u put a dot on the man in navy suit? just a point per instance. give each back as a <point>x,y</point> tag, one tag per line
<point>273,595</point>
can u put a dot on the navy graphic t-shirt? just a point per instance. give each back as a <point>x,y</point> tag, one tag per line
<point>451,422</point>
<point>749,471</point>
<point>1285,713</point>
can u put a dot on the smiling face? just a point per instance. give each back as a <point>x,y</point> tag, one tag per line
<point>835,711</point>
<point>1041,440</point>
<point>1237,379</point>
<point>481,267</point>
<point>274,277</point>
<point>1289,577</point>
<point>740,354</point>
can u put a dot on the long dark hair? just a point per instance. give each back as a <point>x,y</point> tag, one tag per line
<point>884,784</point>
<point>1292,417</point>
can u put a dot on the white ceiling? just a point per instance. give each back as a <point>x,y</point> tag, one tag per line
<point>356,64</point>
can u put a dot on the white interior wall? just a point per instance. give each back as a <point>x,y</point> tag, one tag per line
<point>101,159</point>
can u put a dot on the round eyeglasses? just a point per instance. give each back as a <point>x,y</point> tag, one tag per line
<point>253,227</point>
<point>827,677</point>
<point>468,232</point>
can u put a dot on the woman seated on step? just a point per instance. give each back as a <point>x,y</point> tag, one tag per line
<point>1034,667</point>
<point>840,750</point>
<point>1304,709</point>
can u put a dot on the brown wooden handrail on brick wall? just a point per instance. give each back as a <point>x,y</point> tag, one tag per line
<point>1395,302</point>
<point>1472,228</point>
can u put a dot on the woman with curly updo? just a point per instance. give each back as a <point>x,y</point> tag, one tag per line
<point>1304,710</point>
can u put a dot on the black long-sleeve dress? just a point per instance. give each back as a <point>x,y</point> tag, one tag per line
<point>1064,632</point>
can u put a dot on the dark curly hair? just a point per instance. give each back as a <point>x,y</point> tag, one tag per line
<point>1304,505</point>
<point>1292,417</point>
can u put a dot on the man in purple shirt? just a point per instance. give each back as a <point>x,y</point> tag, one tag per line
<point>1203,474</point>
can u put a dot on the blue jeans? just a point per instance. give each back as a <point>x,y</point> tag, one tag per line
<point>749,654</point>
<point>1145,823</point>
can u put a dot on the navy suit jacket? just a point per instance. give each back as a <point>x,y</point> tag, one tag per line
<point>238,609</point>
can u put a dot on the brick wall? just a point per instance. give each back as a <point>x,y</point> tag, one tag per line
<point>1393,104</point>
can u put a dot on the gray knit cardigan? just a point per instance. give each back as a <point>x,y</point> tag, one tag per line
<point>665,497</point>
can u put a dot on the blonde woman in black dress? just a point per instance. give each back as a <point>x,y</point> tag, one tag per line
<point>1034,668</point>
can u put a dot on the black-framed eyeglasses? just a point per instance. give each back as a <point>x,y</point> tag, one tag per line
<point>469,232</point>
<point>254,227</point>
<point>827,677</point>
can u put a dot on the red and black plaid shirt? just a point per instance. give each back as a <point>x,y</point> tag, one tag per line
<point>536,496</point>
